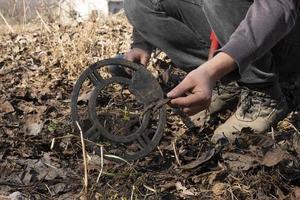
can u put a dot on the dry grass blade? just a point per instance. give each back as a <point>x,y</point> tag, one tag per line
<point>132,193</point>
<point>102,163</point>
<point>43,22</point>
<point>175,153</point>
<point>84,159</point>
<point>7,24</point>
<point>117,158</point>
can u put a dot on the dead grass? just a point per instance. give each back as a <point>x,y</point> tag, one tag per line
<point>76,46</point>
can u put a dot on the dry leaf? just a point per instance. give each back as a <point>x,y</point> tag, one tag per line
<point>33,125</point>
<point>273,157</point>
<point>184,191</point>
<point>219,189</point>
<point>204,157</point>
<point>239,162</point>
<point>6,107</point>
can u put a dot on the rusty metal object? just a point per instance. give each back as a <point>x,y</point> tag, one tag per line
<point>146,90</point>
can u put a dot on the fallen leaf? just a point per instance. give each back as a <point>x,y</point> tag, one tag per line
<point>296,144</point>
<point>16,196</point>
<point>167,186</point>
<point>204,157</point>
<point>33,125</point>
<point>34,129</point>
<point>273,157</point>
<point>37,170</point>
<point>297,192</point>
<point>239,162</point>
<point>6,107</point>
<point>59,188</point>
<point>219,189</point>
<point>184,191</point>
<point>85,96</point>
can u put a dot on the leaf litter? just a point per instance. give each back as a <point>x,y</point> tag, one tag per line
<point>40,157</point>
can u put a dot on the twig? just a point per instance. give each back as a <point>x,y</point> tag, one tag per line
<point>24,13</point>
<point>132,193</point>
<point>52,143</point>
<point>273,134</point>
<point>175,152</point>
<point>101,163</point>
<point>84,159</point>
<point>43,22</point>
<point>233,197</point>
<point>149,188</point>
<point>50,192</point>
<point>117,158</point>
<point>14,8</point>
<point>160,151</point>
<point>72,136</point>
<point>7,24</point>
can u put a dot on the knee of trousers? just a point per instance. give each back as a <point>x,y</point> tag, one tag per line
<point>136,11</point>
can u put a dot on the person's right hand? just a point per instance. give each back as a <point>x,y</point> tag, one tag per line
<point>138,55</point>
<point>199,83</point>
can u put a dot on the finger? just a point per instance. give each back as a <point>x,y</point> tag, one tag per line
<point>188,101</point>
<point>181,89</point>
<point>144,60</point>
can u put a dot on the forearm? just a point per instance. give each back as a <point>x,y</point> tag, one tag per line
<point>266,22</point>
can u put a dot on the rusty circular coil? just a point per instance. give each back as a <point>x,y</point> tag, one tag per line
<point>147,92</point>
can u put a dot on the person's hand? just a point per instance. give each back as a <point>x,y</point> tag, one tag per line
<point>138,55</point>
<point>194,93</point>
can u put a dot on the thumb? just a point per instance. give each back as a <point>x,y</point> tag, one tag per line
<point>181,88</point>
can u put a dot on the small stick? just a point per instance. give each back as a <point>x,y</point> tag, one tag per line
<point>175,152</point>
<point>7,24</point>
<point>149,188</point>
<point>84,159</point>
<point>159,150</point>
<point>72,136</point>
<point>273,135</point>
<point>132,193</point>
<point>102,163</point>
<point>24,12</point>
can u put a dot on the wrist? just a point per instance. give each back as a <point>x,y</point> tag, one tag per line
<point>219,66</point>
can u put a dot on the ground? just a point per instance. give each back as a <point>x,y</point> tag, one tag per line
<point>41,152</point>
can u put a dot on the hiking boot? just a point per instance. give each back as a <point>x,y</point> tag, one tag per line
<point>224,97</point>
<point>258,110</point>
<point>117,70</point>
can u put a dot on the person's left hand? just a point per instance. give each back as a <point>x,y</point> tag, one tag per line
<point>194,93</point>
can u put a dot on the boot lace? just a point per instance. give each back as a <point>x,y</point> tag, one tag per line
<point>247,104</point>
<point>251,101</point>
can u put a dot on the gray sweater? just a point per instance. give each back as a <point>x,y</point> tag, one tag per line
<point>266,23</point>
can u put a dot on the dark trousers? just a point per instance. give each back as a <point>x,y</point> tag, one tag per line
<point>181,28</point>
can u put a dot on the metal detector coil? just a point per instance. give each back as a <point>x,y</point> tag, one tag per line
<point>147,92</point>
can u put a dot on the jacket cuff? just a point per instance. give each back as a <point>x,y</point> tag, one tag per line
<point>241,52</point>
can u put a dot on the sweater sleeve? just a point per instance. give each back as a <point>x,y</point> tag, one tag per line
<point>140,42</point>
<point>266,22</point>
